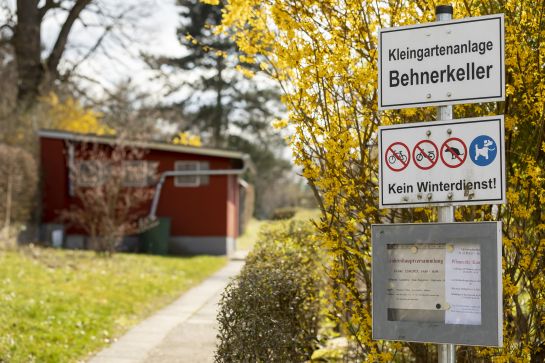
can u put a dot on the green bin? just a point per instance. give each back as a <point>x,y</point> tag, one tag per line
<point>155,240</point>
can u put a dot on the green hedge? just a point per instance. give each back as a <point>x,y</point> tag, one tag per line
<point>270,312</point>
<point>283,213</point>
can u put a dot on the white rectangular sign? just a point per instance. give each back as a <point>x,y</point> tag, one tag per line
<point>442,63</point>
<point>456,162</point>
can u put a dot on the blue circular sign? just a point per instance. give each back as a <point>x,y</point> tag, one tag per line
<point>483,150</point>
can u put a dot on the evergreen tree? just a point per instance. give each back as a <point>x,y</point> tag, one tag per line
<point>228,109</point>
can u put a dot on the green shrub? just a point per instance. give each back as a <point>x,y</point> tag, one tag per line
<point>283,213</point>
<point>270,312</point>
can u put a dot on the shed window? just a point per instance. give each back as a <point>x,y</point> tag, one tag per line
<point>90,173</point>
<point>191,180</point>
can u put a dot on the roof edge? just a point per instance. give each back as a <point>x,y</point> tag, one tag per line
<point>93,138</point>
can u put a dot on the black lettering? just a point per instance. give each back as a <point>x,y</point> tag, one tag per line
<point>488,68</point>
<point>460,74</point>
<point>479,72</point>
<point>482,48</point>
<point>450,74</point>
<point>422,187</point>
<point>489,45</point>
<point>414,77</point>
<point>427,53</point>
<point>392,54</point>
<point>391,189</point>
<point>404,79</point>
<point>394,78</point>
<point>422,74</point>
<point>420,54</point>
<point>460,185</point>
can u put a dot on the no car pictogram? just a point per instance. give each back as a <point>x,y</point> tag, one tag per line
<point>397,156</point>
<point>425,154</point>
<point>453,152</point>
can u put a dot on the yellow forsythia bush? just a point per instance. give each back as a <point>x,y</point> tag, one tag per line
<point>324,55</point>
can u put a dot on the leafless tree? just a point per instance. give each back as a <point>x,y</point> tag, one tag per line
<point>39,68</point>
<point>112,186</point>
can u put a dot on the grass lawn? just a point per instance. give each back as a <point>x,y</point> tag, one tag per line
<point>61,306</point>
<point>247,239</point>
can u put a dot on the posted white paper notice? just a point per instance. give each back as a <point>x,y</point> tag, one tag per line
<point>463,284</point>
<point>416,276</point>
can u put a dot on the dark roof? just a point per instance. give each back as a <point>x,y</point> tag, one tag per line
<point>152,145</point>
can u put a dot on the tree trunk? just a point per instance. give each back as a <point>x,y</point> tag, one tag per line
<point>220,124</point>
<point>31,71</point>
<point>26,42</point>
<point>7,221</point>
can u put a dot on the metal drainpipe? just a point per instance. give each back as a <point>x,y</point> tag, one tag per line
<point>170,173</point>
<point>71,166</point>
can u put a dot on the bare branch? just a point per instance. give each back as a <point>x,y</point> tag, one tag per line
<point>60,44</point>
<point>92,49</point>
<point>49,4</point>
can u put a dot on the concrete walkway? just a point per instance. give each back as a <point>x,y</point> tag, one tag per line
<point>184,331</point>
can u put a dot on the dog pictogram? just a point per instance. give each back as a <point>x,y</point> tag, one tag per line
<point>483,150</point>
<point>454,152</point>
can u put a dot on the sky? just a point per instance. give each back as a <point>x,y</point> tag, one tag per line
<point>148,26</point>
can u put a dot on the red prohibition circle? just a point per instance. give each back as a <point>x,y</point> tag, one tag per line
<point>430,156</point>
<point>454,152</point>
<point>392,157</point>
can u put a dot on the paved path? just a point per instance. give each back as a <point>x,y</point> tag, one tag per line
<point>184,331</point>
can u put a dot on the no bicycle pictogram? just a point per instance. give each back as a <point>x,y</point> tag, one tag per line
<point>397,156</point>
<point>453,152</point>
<point>425,154</point>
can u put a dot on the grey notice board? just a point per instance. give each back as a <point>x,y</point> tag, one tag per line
<point>438,283</point>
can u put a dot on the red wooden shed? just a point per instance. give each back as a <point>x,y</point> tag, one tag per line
<point>198,189</point>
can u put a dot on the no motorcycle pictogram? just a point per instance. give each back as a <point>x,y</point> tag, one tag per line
<point>397,156</point>
<point>453,152</point>
<point>425,154</point>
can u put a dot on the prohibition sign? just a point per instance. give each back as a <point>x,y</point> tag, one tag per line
<point>395,158</point>
<point>457,151</point>
<point>425,155</point>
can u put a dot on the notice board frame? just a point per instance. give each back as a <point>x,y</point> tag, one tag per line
<point>488,236</point>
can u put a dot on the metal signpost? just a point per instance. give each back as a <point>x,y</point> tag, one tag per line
<point>447,352</point>
<point>444,164</point>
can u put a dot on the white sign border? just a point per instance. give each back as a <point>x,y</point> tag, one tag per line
<point>444,203</point>
<point>501,97</point>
